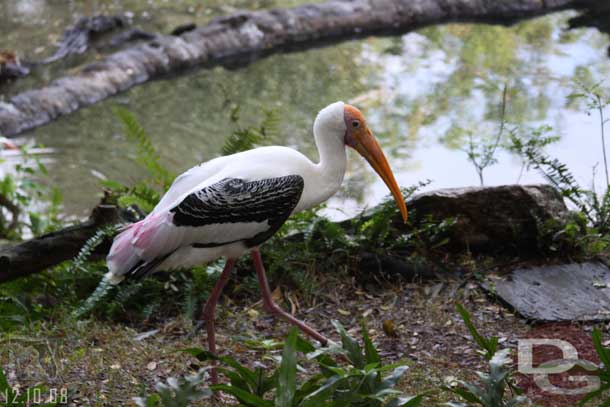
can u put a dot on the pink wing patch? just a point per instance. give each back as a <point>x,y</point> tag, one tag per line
<point>122,256</point>
<point>153,237</point>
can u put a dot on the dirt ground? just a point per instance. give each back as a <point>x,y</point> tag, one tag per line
<point>104,364</point>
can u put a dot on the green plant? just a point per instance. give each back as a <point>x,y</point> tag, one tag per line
<point>493,389</point>
<point>595,101</point>
<point>497,388</point>
<point>481,151</point>
<point>146,193</point>
<point>33,205</point>
<point>594,208</point>
<point>603,373</point>
<point>22,397</point>
<point>361,381</point>
<point>536,138</point>
<point>488,345</point>
<point>246,138</point>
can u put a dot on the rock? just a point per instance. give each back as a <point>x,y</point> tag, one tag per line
<point>493,219</point>
<point>565,292</point>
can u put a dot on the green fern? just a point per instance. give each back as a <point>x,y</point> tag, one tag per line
<point>554,171</point>
<point>140,195</point>
<point>147,155</point>
<point>103,288</point>
<point>144,194</point>
<point>246,138</point>
<point>80,261</point>
<point>90,245</point>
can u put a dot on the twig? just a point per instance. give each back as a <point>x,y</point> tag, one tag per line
<point>600,108</point>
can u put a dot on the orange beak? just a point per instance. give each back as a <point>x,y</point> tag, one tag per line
<point>368,147</point>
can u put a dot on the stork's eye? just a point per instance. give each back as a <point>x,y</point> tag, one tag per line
<point>355,124</point>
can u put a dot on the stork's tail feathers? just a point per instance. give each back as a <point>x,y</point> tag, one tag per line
<point>122,256</point>
<point>138,250</point>
<point>112,278</point>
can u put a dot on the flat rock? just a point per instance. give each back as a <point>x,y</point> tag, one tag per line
<point>566,292</point>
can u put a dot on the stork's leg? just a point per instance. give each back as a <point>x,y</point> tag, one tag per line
<point>272,307</point>
<point>209,309</point>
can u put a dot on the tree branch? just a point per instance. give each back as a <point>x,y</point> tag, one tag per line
<point>45,251</point>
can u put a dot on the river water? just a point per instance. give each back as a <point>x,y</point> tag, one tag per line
<point>426,94</point>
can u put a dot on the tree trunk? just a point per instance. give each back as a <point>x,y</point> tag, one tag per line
<point>244,37</point>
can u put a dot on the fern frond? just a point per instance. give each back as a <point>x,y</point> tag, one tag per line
<point>94,241</point>
<point>79,262</point>
<point>103,288</point>
<point>140,195</point>
<point>247,138</point>
<point>147,155</point>
<point>270,125</point>
<point>241,140</point>
<point>555,172</point>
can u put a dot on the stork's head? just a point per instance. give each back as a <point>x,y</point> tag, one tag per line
<point>359,137</point>
<point>347,122</point>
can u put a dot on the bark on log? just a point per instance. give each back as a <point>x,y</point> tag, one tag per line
<point>246,36</point>
<point>76,40</point>
<point>40,253</point>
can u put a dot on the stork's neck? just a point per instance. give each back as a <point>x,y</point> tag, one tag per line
<point>330,170</point>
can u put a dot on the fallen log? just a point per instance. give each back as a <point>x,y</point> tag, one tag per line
<point>46,251</point>
<point>244,37</point>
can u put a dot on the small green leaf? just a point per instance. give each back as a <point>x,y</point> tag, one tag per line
<point>372,356</point>
<point>393,378</point>
<point>354,352</point>
<point>287,372</point>
<point>244,397</point>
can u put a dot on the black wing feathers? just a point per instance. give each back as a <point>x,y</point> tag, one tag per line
<point>233,200</point>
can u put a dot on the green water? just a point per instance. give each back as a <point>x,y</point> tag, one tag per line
<point>423,93</point>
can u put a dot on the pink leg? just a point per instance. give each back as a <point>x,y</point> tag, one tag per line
<point>209,309</point>
<point>272,307</point>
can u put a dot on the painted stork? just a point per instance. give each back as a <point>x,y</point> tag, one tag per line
<point>232,204</point>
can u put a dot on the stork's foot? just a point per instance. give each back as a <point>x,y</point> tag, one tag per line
<point>274,309</point>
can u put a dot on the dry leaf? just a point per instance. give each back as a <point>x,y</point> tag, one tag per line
<point>389,329</point>
<point>344,312</point>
